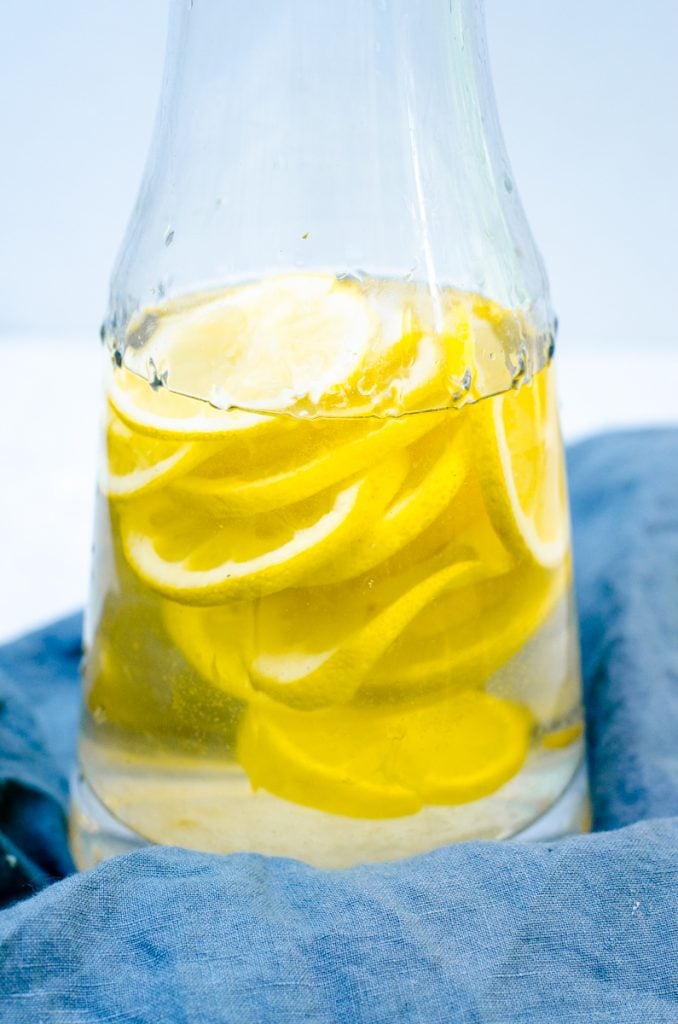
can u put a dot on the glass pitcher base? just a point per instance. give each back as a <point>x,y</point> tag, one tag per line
<point>96,834</point>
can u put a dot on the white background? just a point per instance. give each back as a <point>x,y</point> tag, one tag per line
<point>588,95</point>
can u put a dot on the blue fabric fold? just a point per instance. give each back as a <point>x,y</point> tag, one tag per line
<point>581,930</point>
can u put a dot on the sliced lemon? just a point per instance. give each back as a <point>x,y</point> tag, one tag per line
<point>136,465</point>
<point>465,747</point>
<point>308,456</point>
<point>423,352</point>
<point>188,553</point>
<point>439,467</point>
<point>311,678</point>
<point>467,634</point>
<point>281,342</point>
<point>217,642</point>
<point>162,414</point>
<point>522,472</point>
<point>383,762</point>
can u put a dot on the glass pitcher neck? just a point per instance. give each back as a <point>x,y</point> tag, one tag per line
<point>358,136</point>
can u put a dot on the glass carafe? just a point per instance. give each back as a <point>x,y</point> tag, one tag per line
<point>331,612</point>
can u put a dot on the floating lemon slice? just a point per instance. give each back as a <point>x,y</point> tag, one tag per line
<point>381,762</point>
<point>522,472</point>
<point>160,413</point>
<point>311,679</point>
<point>195,557</point>
<point>269,346</point>
<point>313,455</point>
<point>137,465</point>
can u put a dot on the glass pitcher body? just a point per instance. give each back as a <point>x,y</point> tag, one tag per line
<point>331,613</point>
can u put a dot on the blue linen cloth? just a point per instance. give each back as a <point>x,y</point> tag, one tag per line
<point>581,930</point>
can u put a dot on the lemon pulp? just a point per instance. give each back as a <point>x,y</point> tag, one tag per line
<point>328,597</point>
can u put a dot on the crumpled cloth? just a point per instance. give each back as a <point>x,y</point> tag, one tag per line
<point>579,930</point>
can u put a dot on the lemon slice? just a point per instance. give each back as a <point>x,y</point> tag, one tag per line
<point>423,353</point>
<point>467,634</point>
<point>267,346</point>
<point>311,679</point>
<point>160,413</point>
<point>308,457</point>
<point>439,463</point>
<point>137,465</point>
<point>381,762</point>
<point>193,556</point>
<point>217,642</point>
<point>465,747</point>
<point>522,471</point>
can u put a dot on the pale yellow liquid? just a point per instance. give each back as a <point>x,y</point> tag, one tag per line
<point>405,679</point>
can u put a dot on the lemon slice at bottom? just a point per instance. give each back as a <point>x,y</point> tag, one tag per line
<point>379,762</point>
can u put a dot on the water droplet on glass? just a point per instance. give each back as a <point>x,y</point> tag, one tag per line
<point>508,184</point>
<point>218,397</point>
<point>352,275</point>
<point>169,236</point>
<point>157,379</point>
<point>519,371</point>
